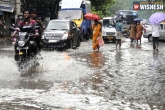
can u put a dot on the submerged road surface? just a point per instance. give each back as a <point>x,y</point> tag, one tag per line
<point>132,78</point>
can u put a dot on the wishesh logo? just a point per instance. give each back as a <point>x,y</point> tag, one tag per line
<point>148,6</point>
<point>136,6</point>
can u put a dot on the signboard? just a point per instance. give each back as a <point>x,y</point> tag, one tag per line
<point>6,8</point>
<point>148,6</point>
<point>7,5</point>
<point>71,4</point>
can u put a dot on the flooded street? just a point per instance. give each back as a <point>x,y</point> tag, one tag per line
<point>132,78</point>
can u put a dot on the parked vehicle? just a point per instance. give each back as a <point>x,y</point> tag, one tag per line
<point>108,29</point>
<point>148,33</point>
<point>75,10</point>
<point>61,33</point>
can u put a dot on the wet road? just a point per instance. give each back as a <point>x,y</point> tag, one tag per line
<point>132,78</point>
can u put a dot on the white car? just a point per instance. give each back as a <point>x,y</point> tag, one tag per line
<point>108,29</point>
<point>148,33</point>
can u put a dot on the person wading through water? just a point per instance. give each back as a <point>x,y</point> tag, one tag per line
<point>119,31</point>
<point>96,28</point>
<point>132,31</point>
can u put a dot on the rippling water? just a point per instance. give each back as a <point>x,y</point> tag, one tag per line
<point>131,79</point>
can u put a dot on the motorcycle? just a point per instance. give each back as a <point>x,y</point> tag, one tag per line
<point>25,45</point>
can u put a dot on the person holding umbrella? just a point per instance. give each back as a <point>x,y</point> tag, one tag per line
<point>132,31</point>
<point>139,31</point>
<point>155,19</point>
<point>96,28</point>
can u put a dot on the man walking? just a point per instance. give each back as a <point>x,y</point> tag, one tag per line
<point>119,29</point>
<point>155,36</point>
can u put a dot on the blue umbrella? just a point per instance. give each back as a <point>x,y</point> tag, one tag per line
<point>138,19</point>
<point>157,17</point>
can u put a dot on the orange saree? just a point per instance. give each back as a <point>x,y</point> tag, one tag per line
<point>139,33</point>
<point>96,34</point>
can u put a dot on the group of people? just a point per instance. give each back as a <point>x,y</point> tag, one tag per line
<point>136,31</point>
<point>30,18</point>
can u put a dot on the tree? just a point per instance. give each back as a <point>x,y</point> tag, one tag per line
<point>101,7</point>
<point>52,5</point>
<point>128,5</point>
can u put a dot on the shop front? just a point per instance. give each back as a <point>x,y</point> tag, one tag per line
<point>6,15</point>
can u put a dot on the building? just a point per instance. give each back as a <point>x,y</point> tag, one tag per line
<point>9,9</point>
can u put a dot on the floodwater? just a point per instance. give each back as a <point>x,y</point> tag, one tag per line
<point>132,78</point>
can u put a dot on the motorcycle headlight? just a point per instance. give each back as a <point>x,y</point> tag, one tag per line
<point>65,36</point>
<point>21,43</point>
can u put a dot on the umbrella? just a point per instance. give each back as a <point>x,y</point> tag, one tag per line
<point>157,17</point>
<point>138,19</point>
<point>92,16</point>
<point>118,18</point>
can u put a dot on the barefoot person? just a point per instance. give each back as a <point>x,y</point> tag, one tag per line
<point>132,31</point>
<point>139,31</point>
<point>96,28</point>
<point>119,29</point>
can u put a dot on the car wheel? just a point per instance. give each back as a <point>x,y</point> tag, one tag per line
<point>150,38</point>
<point>70,45</point>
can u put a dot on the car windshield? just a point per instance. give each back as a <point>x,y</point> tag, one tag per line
<point>108,22</point>
<point>124,13</point>
<point>58,25</point>
<point>70,14</point>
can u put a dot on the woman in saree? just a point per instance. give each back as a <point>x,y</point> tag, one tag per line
<point>139,31</point>
<point>96,28</point>
<point>132,31</point>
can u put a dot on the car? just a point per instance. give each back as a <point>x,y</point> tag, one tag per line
<point>108,29</point>
<point>61,33</point>
<point>148,32</point>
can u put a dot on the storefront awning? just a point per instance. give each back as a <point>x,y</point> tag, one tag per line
<point>6,8</point>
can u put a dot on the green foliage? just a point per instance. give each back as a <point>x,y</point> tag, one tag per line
<point>101,7</point>
<point>128,5</point>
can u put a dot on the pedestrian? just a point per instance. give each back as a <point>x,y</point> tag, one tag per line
<point>139,31</point>
<point>84,28</point>
<point>155,36</point>
<point>119,31</point>
<point>132,31</point>
<point>96,29</point>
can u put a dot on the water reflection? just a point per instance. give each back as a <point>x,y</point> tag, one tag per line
<point>97,59</point>
<point>118,57</point>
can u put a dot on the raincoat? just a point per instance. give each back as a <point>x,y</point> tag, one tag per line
<point>96,33</point>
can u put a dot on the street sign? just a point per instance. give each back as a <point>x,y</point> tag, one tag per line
<point>71,4</point>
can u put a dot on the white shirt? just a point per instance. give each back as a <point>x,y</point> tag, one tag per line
<point>155,30</point>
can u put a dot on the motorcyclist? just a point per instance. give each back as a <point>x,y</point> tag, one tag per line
<point>26,22</point>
